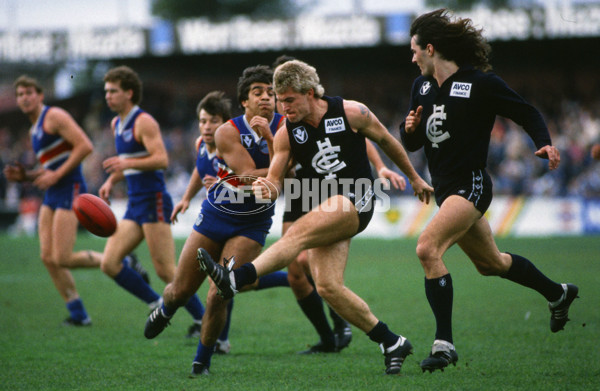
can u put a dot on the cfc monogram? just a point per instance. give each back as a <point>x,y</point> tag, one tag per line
<point>326,160</point>
<point>435,133</point>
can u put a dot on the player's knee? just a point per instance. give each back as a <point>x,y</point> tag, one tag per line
<point>49,260</point>
<point>328,290</point>
<point>426,252</point>
<point>296,280</point>
<point>166,274</point>
<point>177,295</point>
<point>62,260</point>
<point>111,269</point>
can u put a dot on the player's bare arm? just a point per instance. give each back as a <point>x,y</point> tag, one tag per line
<point>193,187</point>
<point>270,186</point>
<point>365,122</point>
<point>106,188</point>
<point>227,140</point>
<point>58,121</point>
<point>148,134</point>
<point>383,172</point>
<point>17,173</point>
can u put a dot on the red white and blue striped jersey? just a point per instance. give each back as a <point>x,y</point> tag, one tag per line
<point>52,150</point>
<point>138,181</point>
<point>228,180</point>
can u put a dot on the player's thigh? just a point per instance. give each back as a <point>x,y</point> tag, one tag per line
<point>64,228</point>
<point>161,246</point>
<point>242,248</point>
<point>454,218</point>
<point>125,239</point>
<point>188,274</point>
<point>334,220</point>
<point>45,217</point>
<point>479,245</point>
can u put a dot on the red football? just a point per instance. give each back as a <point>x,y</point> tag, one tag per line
<point>95,215</point>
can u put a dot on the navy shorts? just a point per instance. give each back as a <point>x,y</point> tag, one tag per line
<point>475,186</point>
<point>149,208</point>
<point>221,227</point>
<point>61,195</point>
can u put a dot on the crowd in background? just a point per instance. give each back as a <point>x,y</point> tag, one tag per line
<point>573,119</point>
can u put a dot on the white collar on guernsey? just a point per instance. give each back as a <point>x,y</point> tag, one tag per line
<point>208,153</point>
<point>252,131</point>
<point>255,135</point>
<point>123,122</point>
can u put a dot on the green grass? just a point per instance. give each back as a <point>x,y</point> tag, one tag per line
<point>500,329</point>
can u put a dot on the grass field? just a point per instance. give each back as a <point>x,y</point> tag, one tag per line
<point>501,330</point>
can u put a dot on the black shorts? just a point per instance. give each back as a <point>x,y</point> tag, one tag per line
<point>364,206</point>
<point>475,186</point>
<point>293,209</point>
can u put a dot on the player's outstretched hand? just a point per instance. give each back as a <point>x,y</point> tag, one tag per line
<point>551,153</point>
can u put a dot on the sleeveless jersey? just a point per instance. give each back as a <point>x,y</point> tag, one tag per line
<point>232,195</point>
<point>138,181</point>
<point>332,150</point>
<point>52,150</point>
<point>206,162</point>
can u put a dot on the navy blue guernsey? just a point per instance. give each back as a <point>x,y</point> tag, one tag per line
<point>332,150</point>
<point>458,117</point>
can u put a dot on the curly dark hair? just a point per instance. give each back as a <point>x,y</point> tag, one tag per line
<point>255,74</point>
<point>456,40</point>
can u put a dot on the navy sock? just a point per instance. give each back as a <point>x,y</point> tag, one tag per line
<point>134,284</point>
<point>225,332</point>
<point>195,308</point>
<point>77,310</point>
<point>382,334</point>
<point>440,294</point>
<point>244,275</point>
<point>338,321</point>
<point>204,354</point>
<point>312,306</point>
<point>273,280</point>
<point>523,272</point>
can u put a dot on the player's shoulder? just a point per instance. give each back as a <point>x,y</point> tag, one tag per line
<point>422,85</point>
<point>56,113</point>
<point>145,122</point>
<point>57,119</point>
<point>228,132</point>
<point>477,75</point>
